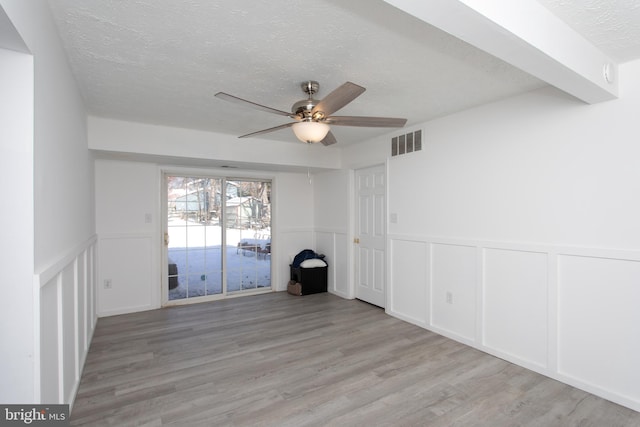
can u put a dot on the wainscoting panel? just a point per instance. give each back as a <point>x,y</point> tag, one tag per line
<point>334,245</point>
<point>453,289</point>
<point>90,304</point>
<point>79,310</point>
<point>126,274</point>
<point>69,334</point>
<point>515,304</point>
<point>566,312</point>
<point>599,322</point>
<point>67,319</point>
<point>407,287</point>
<point>50,343</point>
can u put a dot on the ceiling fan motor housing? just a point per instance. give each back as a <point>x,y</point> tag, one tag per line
<point>303,109</point>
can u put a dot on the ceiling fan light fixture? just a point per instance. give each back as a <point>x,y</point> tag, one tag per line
<point>310,132</point>
<point>313,117</point>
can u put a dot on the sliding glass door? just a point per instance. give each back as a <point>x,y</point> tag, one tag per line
<point>248,236</point>
<point>217,237</point>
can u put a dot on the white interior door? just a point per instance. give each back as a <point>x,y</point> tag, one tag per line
<point>370,238</point>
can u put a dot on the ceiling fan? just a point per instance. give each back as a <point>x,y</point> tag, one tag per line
<point>313,117</point>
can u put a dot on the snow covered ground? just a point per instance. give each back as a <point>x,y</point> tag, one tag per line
<point>196,250</point>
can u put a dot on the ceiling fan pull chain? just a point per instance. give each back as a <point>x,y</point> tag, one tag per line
<point>308,171</point>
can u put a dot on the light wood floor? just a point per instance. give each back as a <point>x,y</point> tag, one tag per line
<point>315,360</point>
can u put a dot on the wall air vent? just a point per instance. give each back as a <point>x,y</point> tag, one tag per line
<point>407,143</point>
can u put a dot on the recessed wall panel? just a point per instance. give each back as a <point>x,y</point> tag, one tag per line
<point>515,304</point>
<point>82,306</point>
<point>49,343</point>
<point>598,322</point>
<point>91,290</point>
<point>126,265</point>
<point>69,332</point>
<point>408,285</point>
<point>453,289</point>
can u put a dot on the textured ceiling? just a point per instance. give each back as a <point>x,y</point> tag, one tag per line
<point>162,61</point>
<point>611,25</point>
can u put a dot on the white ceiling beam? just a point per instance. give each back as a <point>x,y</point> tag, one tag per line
<point>9,37</point>
<point>528,36</point>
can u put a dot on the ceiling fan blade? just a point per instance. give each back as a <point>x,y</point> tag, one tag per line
<point>260,132</point>
<point>380,122</point>
<point>246,103</point>
<point>330,139</point>
<point>338,98</point>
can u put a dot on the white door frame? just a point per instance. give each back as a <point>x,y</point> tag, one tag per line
<point>214,174</point>
<point>374,241</point>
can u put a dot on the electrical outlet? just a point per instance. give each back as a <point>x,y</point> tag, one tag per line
<point>147,218</point>
<point>449,298</point>
<point>107,284</point>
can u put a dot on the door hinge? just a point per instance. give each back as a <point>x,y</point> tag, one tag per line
<point>166,239</point>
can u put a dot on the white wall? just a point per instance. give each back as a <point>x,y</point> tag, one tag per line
<point>518,234</point>
<point>63,182</point>
<point>130,249</point>
<point>128,246</point>
<point>536,168</point>
<point>292,196</point>
<point>17,312</point>
<point>332,210</point>
<point>56,216</point>
<point>293,223</point>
